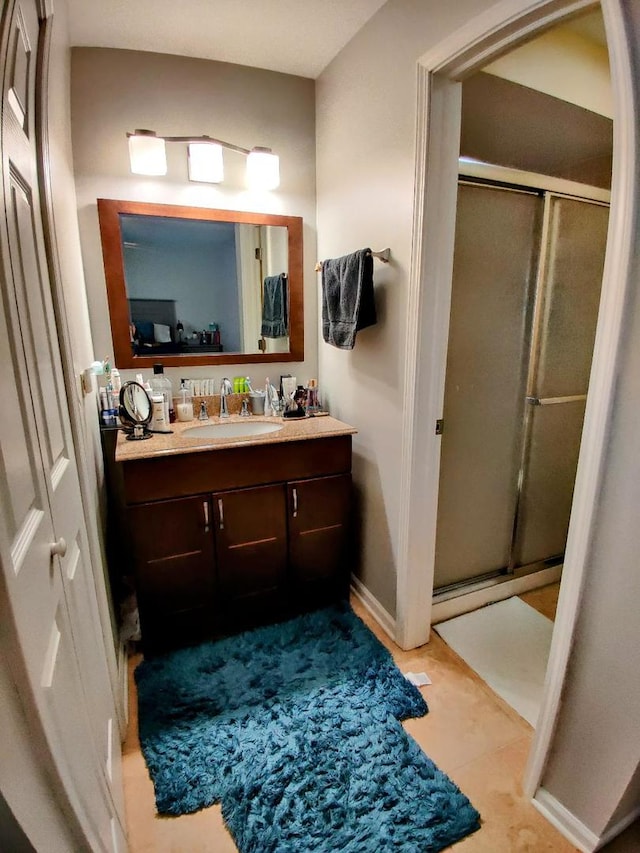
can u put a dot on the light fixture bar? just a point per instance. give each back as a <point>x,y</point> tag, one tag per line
<point>147,157</point>
<point>186,140</point>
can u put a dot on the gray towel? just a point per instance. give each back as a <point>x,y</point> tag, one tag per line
<point>274,306</point>
<point>348,303</point>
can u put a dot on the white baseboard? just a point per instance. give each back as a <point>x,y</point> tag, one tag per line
<point>491,592</point>
<point>382,616</point>
<point>565,822</point>
<point>618,828</point>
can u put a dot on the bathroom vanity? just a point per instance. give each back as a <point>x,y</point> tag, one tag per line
<point>228,533</point>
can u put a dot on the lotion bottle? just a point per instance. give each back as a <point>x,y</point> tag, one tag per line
<point>158,422</point>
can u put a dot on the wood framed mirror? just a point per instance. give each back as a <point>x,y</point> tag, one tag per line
<point>198,286</point>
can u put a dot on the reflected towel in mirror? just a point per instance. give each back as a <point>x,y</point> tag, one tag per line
<point>274,306</point>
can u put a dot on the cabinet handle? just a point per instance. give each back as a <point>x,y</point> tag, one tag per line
<point>221,513</point>
<point>295,503</point>
<point>205,507</point>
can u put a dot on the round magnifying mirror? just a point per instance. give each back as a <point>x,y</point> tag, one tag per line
<point>135,410</point>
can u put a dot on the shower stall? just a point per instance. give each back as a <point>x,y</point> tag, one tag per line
<point>528,265</point>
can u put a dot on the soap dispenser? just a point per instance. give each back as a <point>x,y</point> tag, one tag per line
<point>185,403</point>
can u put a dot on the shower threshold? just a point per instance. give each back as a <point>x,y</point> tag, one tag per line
<point>464,597</point>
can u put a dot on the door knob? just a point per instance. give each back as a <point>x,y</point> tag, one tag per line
<point>58,548</point>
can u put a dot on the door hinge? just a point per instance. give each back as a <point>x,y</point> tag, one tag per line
<point>439,426</point>
<point>258,254</point>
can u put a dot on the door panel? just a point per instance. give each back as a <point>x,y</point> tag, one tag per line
<point>251,542</point>
<point>175,571</point>
<point>576,241</point>
<point>319,530</point>
<point>494,270</point>
<point>547,492</point>
<point>57,654</point>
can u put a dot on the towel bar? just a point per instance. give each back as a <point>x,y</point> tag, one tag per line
<point>383,256</point>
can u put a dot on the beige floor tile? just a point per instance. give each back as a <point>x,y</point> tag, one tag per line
<point>470,733</point>
<point>466,719</point>
<point>510,824</point>
<point>544,600</point>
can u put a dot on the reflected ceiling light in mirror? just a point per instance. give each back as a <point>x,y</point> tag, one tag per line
<point>263,169</point>
<point>147,153</point>
<point>205,162</point>
<point>147,157</point>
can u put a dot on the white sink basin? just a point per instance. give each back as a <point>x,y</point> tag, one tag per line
<point>237,429</point>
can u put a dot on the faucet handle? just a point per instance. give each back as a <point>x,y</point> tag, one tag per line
<point>204,414</point>
<point>245,413</point>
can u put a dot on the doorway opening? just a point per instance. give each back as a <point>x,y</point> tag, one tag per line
<point>438,132</point>
<point>528,261</point>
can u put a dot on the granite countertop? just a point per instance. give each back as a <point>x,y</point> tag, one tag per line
<point>175,443</point>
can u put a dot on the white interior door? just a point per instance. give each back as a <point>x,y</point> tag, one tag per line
<point>53,643</point>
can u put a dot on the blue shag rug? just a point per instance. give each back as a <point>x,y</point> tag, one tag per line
<point>295,730</point>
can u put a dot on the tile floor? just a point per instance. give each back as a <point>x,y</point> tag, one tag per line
<point>470,733</point>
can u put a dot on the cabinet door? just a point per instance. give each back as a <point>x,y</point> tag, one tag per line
<point>251,550</point>
<point>175,571</point>
<point>319,538</point>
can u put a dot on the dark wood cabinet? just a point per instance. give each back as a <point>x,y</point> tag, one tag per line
<point>319,538</point>
<point>251,552</point>
<point>258,543</point>
<point>174,570</point>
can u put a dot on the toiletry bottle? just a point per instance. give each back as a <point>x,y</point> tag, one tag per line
<point>160,384</point>
<point>185,404</point>
<point>158,422</point>
<point>104,406</point>
<point>267,398</point>
<point>312,396</point>
<point>116,382</point>
<point>216,335</point>
<point>276,404</point>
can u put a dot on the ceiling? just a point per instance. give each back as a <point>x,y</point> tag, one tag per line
<point>293,36</point>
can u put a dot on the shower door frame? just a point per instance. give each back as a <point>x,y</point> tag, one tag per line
<point>475,173</point>
<point>438,117</point>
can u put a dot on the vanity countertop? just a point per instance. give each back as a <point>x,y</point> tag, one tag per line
<point>293,429</point>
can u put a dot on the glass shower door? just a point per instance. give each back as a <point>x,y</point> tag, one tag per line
<point>562,346</point>
<point>494,271</point>
<point>526,289</point>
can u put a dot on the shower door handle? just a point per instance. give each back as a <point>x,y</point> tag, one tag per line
<point>553,401</point>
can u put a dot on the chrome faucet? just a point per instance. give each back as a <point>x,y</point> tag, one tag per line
<point>204,414</point>
<point>225,388</point>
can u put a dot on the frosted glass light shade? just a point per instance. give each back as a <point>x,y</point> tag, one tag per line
<point>263,169</point>
<point>205,162</point>
<point>147,154</point>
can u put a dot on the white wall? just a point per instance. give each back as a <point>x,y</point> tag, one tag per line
<point>117,91</point>
<point>563,64</point>
<point>366,106</point>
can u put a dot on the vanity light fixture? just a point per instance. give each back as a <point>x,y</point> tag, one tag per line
<point>148,157</point>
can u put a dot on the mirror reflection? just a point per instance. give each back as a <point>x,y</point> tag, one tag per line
<point>195,285</point>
